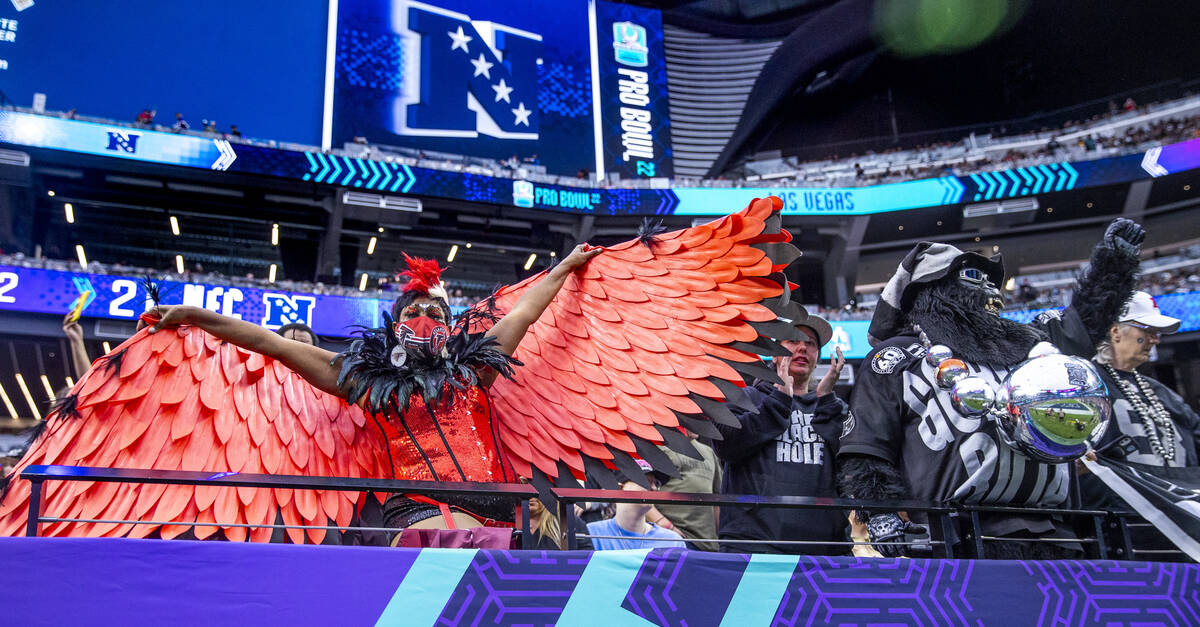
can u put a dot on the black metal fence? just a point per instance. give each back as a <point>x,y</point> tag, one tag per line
<point>956,530</point>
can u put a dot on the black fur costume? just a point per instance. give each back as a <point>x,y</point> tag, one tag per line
<point>954,314</point>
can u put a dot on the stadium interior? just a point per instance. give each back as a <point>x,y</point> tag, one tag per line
<point>814,101</point>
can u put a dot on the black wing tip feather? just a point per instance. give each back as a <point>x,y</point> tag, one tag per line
<point>648,232</point>
<point>153,291</point>
<point>601,475</point>
<point>66,406</point>
<point>677,441</point>
<point>112,361</point>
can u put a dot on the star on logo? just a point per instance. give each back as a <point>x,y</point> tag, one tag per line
<point>482,66</point>
<point>522,114</point>
<point>459,39</point>
<point>502,91</point>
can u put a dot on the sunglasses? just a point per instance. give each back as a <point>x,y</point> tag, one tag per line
<point>1148,330</point>
<point>974,275</point>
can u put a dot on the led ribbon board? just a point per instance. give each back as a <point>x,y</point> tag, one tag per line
<point>396,177</point>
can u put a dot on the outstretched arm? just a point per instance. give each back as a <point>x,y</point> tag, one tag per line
<point>311,362</point>
<point>1109,282</point>
<point>512,327</point>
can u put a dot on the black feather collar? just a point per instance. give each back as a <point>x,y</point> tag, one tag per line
<point>367,370</point>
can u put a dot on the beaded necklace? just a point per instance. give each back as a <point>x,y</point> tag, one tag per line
<point>1155,418</point>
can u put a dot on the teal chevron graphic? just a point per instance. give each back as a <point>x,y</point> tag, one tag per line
<point>427,587</point>
<point>763,585</point>
<point>601,589</point>
<point>1024,181</point>
<point>355,172</point>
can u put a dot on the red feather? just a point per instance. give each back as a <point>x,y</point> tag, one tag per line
<point>422,274</point>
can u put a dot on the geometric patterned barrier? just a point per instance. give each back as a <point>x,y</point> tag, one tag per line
<point>80,581</point>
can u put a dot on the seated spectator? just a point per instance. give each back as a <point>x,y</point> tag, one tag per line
<point>180,124</point>
<point>628,528</point>
<point>145,119</point>
<point>701,476</point>
<point>786,447</point>
<point>233,131</point>
<point>210,126</point>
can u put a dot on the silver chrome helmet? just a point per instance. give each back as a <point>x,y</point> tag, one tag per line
<point>1050,406</point>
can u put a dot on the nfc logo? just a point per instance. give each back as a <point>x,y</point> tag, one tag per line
<point>283,309</point>
<point>629,44</point>
<point>123,141</point>
<point>465,78</point>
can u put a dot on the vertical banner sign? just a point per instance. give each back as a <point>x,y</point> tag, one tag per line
<point>633,91</point>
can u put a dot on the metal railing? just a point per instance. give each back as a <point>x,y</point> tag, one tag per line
<point>956,530</point>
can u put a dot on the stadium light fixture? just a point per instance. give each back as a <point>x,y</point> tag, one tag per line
<point>12,411</point>
<point>82,257</point>
<point>49,388</point>
<point>107,348</point>
<point>1010,284</point>
<point>70,382</point>
<point>529,262</point>
<point>453,253</point>
<point>362,282</point>
<point>371,245</point>
<point>271,274</point>
<point>28,397</point>
<point>174,226</point>
<point>553,254</point>
<point>179,264</point>
<point>274,234</point>
<point>381,229</point>
<point>69,209</point>
<point>50,193</point>
<point>468,244</point>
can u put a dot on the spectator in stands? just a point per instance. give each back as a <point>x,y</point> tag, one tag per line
<point>1028,293</point>
<point>145,119</point>
<point>1151,423</point>
<point>210,126</point>
<point>180,124</point>
<point>70,115</point>
<point>547,529</point>
<point>628,528</point>
<point>696,476</point>
<point>786,447</point>
<point>80,363</point>
<point>234,132</point>
<point>300,332</point>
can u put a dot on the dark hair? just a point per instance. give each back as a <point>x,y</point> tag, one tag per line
<point>406,298</point>
<point>299,326</point>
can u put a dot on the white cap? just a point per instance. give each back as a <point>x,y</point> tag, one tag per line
<point>1142,310</point>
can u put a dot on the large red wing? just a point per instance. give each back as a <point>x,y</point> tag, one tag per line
<point>183,400</point>
<point>649,336</point>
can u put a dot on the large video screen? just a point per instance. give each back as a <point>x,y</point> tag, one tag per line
<point>571,85</point>
<point>259,65</point>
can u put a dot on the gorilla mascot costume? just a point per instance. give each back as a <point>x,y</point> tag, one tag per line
<point>904,438</point>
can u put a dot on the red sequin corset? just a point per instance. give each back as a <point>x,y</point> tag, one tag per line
<point>464,422</point>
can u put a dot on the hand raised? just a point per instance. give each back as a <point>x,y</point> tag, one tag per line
<point>829,381</point>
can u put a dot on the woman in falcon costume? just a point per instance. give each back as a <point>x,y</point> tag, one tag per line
<point>620,352</point>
